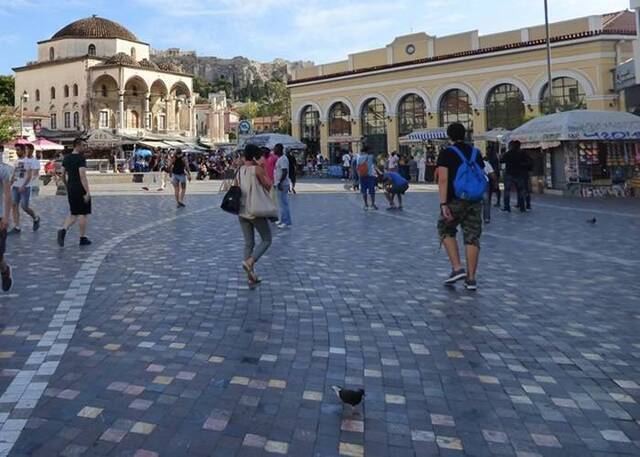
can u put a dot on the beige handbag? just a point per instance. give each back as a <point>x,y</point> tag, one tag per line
<point>258,202</point>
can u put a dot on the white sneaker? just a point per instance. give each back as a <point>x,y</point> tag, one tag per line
<point>366,208</point>
<point>280,224</point>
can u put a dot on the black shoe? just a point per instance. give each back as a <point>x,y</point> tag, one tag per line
<point>36,224</point>
<point>16,230</point>
<point>455,276</point>
<point>84,241</point>
<point>522,210</point>
<point>497,205</point>
<point>528,207</point>
<point>508,210</point>
<point>374,207</point>
<point>470,284</point>
<point>61,234</point>
<point>7,279</point>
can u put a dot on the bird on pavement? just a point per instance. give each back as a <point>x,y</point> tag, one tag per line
<point>348,396</point>
<point>592,221</point>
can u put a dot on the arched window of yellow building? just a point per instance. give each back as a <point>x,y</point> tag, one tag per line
<point>310,129</point>
<point>567,93</point>
<point>374,126</point>
<point>411,114</point>
<point>455,106</point>
<point>505,107</point>
<point>339,120</point>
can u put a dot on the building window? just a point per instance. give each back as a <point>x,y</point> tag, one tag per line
<point>53,93</point>
<point>567,93</point>
<point>104,91</point>
<point>103,119</point>
<point>67,120</point>
<point>135,120</point>
<point>134,90</point>
<point>374,126</point>
<point>505,107</point>
<point>455,106</point>
<point>52,53</point>
<point>76,120</point>
<point>339,120</point>
<point>411,114</point>
<point>37,95</point>
<point>92,50</point>
<point>53,121</point>
<point>133,52</point>
<point>162,122</point>
<point>310,126</point>
<point>75,90</point>
<point>66,91</point>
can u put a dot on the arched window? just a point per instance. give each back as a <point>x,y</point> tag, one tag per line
<point>505,107</point>
<point>133,52</point>
<point>339,120</point>
<point>75,90</point>
<point>134,90</point>
<point>52,53</point>
<point>37,95</point>
<point>567,93</point>
<point>66,91</point>
<point>455,106</point>
<point>134,120</point>
<point>92,50</point>
<point>374,126</point>
<point>104,91</point>
<point>411,114</point>
<point>310,129</point>
<point>76,120</point>
<point>53,93</point>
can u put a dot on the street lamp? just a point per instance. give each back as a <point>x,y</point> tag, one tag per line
<point>23,99</point>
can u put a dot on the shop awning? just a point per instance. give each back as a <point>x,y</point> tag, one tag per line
<point>422,135</point>
<point>155,144</point>
<point>579,125</point>
<point>495,135</point>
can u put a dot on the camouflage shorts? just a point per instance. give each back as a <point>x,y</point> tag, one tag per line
<point>466,214</point>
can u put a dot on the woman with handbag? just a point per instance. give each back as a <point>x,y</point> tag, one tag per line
<point>256,208</point>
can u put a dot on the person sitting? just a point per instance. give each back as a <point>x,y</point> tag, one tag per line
<point>394,185</point>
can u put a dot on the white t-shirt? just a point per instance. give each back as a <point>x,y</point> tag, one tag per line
<point>35,166</point>
<point>346,160</point>
<point>281,164</point>
<point>22,168</point>
<point>393,162</point>
<point>6,171</point>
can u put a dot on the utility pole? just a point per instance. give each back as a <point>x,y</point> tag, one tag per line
<point>549,77</point>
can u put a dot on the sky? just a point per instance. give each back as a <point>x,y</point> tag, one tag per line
<point>316,30</point>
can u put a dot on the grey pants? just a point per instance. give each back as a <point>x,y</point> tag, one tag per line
<point>249,226</point>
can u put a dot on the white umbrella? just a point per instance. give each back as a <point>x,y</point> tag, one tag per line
<point>579,125</point>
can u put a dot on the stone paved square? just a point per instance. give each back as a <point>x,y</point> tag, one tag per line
<point>150,343</point>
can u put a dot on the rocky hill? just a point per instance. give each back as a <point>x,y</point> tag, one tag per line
<point>241,72</point>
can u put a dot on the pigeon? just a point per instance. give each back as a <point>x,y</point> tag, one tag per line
<point>351,397</point>
<point>592,221</point>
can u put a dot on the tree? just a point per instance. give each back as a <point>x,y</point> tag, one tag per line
<point>249,110</point>
<point>7,90</point>
<point>8,125</point>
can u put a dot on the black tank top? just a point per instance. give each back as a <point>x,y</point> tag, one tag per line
<point>178,166</point>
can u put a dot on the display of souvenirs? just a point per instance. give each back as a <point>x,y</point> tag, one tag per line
<point>588,153</point>
<point>571,168</point>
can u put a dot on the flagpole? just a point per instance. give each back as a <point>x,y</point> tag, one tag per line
<point>549,77</point>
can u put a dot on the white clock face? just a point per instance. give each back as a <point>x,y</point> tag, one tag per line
<point>410,49</point>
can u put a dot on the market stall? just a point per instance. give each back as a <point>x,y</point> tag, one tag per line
<point>426,143</point>
<point>586,153</point>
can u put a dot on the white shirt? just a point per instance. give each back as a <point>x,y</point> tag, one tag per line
<point>35,166</point>
<point>393,162</point>
<point>282,164</point>
<point>22,168</point>
<point>488,169</point>
<point>346,160</point>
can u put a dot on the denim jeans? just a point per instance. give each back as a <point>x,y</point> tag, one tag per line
<point>283,203</point>
<point>519,183</point>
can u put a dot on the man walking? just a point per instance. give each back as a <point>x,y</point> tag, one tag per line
<point>367,173</point>
<point>21,190</point>
<point>6,172</point>
<point>293,171</point>
<point>514,174</point>
<point>74,176</point>
<point>346,164</point>
<point>282,184</point>
<point>461,185</point>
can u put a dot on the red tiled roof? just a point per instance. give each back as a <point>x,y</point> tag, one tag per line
<point>475,52</point>
<point>621,20</point>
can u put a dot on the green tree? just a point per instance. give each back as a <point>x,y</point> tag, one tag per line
<point>249,110</point>
<point>8,125</point>
<point>7,90</point>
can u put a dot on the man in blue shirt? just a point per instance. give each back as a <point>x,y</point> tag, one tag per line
<point>368,177</point>
<point>394,185</point>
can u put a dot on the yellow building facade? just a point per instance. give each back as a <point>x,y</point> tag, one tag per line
<point>486,82</point>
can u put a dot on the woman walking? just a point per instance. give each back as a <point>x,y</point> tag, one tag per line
<point>255,209</point>
<point>179,174</point>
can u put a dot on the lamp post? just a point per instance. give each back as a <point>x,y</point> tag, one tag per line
<point>23,99</point>
<point>549,77</point>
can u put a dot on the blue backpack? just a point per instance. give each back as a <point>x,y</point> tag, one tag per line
<point>470,182</point>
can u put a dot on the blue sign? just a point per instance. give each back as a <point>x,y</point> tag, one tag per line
<point>244,127</point>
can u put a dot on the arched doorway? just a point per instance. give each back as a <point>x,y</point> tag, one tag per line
<point>455,106</point>
<point>374,126</point>
<point>411,116</point>
<point>181,107</point>
<point>339,128</point>
<point>567,94</point>
<point>505,107</point>
<point>310,129</point>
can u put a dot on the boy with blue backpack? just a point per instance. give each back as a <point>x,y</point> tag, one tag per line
<point>461,184</point>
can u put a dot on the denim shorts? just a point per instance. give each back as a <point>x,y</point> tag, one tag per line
<point>179,179</point>
<point>368,185</point>
<point>21,198</point>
